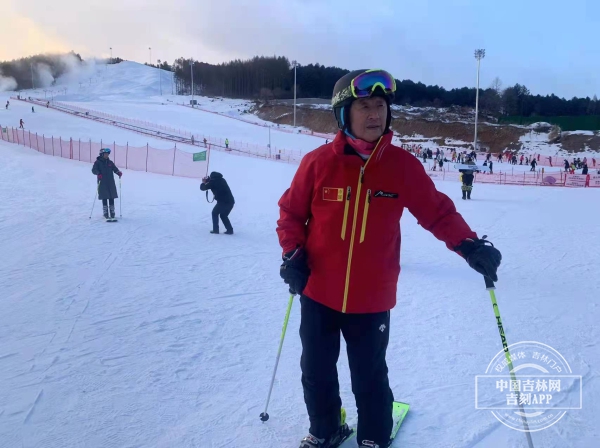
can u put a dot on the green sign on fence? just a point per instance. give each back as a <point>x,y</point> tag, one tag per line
<point>5,130</point>
<point>200,156</point>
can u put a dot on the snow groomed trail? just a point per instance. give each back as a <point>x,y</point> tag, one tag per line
<point>152,332</point>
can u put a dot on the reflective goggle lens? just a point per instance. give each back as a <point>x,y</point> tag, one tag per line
<point>364,84</point>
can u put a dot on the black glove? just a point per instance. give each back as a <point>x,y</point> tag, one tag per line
<point>294,270</point>
<point>481,256</point>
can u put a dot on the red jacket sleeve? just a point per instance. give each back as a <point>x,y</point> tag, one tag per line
<point>295,208</point>
<point>434,210</point>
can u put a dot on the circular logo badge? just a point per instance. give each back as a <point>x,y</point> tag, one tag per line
<point>528,386</point>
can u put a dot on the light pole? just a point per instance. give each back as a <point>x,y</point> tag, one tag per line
<point>479,55</point>
<point>150,61</point>
<point>295,64</point>
<point>32,84</point>
<point>192,71</point>
<point>159,77</point>
<point>111,55</point>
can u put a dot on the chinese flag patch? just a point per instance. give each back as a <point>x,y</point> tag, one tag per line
<point>333,194</point>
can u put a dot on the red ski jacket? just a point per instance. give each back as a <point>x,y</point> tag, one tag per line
<point>345,212</point>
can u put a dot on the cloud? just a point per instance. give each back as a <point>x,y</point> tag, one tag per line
<point>21,36</point>
<point>430,41</point>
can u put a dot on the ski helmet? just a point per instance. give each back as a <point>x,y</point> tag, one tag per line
<point>348,88</point>
<point>105,151</point>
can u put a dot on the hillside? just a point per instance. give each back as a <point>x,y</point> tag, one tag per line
<point>450,127</point>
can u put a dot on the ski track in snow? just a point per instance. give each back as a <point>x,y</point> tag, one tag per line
<point>153,333</point>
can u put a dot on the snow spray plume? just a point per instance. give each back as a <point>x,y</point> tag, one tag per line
<point>75,70</point>
<point>7,83</point>
<point>43,74</point>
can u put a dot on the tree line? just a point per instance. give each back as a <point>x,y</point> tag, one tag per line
<point>269,78</point>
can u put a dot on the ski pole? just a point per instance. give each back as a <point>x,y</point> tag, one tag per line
<point>95,196</point>
<point>489,285</point>
<point>120,200</point>
<point>265,416</point>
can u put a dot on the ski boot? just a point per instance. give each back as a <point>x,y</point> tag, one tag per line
<point>112,212</point>
<point>229,232</point>
<point>214,232</point>
<point>105,210</point>
<point>464,192</point>
<point>333,441</point>
<point>468,194</point>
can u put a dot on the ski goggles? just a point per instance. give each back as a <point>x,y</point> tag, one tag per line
<point>364,85</point>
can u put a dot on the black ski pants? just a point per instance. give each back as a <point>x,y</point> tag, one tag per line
<point>367,337</point>
<point>222,210</point>
<point>106,202</point>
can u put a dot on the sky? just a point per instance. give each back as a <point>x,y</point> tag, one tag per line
<point>549,46</point>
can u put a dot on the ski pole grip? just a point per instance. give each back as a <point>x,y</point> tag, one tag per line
<point>489,284</point>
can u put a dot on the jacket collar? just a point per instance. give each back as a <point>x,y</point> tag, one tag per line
<point>341,146</point>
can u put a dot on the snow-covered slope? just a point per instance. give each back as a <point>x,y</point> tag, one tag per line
<point>152,332</point>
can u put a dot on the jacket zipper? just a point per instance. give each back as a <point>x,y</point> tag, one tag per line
<point>365,216</point>
<point>358,189</point>
<point>346,208</point>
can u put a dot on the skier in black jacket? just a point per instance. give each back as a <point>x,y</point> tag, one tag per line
<point>467,178</point>
<point>107,190</point>
<point>219,187</point>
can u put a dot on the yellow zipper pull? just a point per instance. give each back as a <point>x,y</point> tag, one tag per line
<point>365,216</point>
<point>346,208</point>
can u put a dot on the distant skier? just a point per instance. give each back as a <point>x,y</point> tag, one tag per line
<point>21,124</point>
<point>467,178</point>
<point>345,268</point>
<point>32,109</point>
<point>107,190</point>
<point>585,169</point>
<point>226,143</point>
<point>225,201</point>
<point>7,104</point>
<point>533,164</point>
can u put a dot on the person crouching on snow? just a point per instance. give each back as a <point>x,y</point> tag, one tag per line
<point>225,202</point>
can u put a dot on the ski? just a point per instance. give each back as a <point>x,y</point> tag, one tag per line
<point>460,166</point>
<point>399,411</point>
<point>112,220</point>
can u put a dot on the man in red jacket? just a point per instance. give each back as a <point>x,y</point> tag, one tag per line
<point>340,233</point>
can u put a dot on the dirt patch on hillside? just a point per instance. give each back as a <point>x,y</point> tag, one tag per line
<point>580,143</point>
<point>494,138</point>
<point>317,120</point>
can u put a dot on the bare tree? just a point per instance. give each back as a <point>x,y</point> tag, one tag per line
<point>497,85</point>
